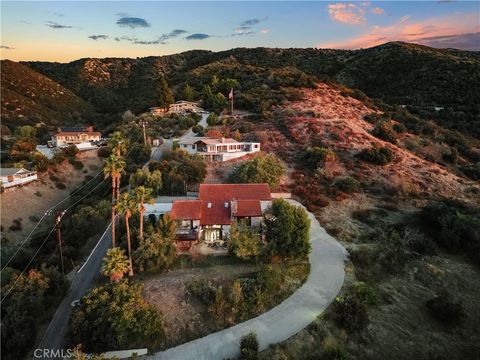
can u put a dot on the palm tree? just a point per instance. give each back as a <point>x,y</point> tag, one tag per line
<point>143,195</point>
<point>115,264</point>
<point>127,205</point>
<point>114,167</point>
<point>118,143</point>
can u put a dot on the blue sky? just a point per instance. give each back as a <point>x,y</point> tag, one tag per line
<point>68,30</point>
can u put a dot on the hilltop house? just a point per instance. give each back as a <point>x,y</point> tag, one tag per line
<point>179,107</point>
<point>209,217</point>
<point>79,136</point>
<point>13,177</point>
<point>218,149</point>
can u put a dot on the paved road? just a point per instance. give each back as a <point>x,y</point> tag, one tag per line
<point>54,337</point>
<point>285,320</point>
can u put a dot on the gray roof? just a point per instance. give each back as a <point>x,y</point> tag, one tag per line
<point>11,171</point>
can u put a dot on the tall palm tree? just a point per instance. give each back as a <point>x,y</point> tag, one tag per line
<point>115,264</point>
<point>114,167</point>
<point>143,195</point>
<point>127,205</point>
<point>119,144</point>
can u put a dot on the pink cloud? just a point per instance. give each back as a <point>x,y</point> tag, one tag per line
<point>265,31</point>
<point>347,13</point>
<point>377,11</point>
<point>426,32</point>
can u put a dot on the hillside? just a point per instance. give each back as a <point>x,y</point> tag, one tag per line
<point>29,97</point>
<point>381,199</point>
<point>397,73</point>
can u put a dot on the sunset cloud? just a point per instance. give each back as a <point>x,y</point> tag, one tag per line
<point>347,13</point>
<point>458,30</point>
<point>132,22</point>
<point>264,31</point>
<point>377,11</point>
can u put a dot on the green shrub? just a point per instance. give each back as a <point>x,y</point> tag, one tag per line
<point>457,226</point>
<point>249,347</point>
<point>347,184</point>
<point>384,130</point>
<point>264,168</point>
<point>366,294</point>
<point>377,156</point>
<point>60,185</point>
<point>78,165</point>
<point>443,308</point>
<point>203,290</point>
<point>350,312</point>
<point>314,157</point>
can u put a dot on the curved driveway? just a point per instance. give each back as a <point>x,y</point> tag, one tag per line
<point>286,319</point>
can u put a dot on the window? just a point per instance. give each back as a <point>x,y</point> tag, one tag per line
<point>256,146</point>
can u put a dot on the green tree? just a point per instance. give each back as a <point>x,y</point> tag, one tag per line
<point>155,253</point>
<point>244,242</point>
<point>167,227</point>
<point>188,93</point>
<point>314,157</point>
<point>27,131</point>
<point>114,167</point>
<point>143,177</point>
<point>127,205</point>
<point>262,169</point>
<point>287,230</point>
<point>164,93</point>
<point>116,316</point>
<point>212,119</point>
<point>115,264</point>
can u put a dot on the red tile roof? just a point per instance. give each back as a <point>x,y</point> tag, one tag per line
<point>210,207</point>
<point>186,210</point>
<point>228,192</point>
<point>249,208</point>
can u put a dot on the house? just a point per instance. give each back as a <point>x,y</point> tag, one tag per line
<point>12,177</point>
<point>179,107</point>
<point>209,217</point>
<point>183,106</point>
<point>79,136</point>
<point>218,149</point>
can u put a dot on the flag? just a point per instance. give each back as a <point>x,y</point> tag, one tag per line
<point>230,95</point>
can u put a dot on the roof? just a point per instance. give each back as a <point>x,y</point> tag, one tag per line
<point>12,171</point>
<point>214,204</point>
<point>70,133</point>
<point>186,210</point>
<point>228,192</point>
<point>190,140</point>
<point>215,141</point>
<point>249,208</point>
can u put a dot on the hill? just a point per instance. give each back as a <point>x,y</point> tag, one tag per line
<point>29,97</point>
<point>396,73</point>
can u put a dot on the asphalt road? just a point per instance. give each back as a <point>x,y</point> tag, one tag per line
<point>286,319</point>
<point>54,337</point>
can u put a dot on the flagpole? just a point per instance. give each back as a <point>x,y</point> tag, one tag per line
<point>231,101</point>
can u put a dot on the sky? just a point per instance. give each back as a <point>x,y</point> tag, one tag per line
<point>68,30</point>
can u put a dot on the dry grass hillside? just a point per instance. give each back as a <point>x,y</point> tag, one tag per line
<point>386,197</point>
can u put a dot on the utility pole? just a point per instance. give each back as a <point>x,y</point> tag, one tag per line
<point>144,134</point>
<point>58,218</point>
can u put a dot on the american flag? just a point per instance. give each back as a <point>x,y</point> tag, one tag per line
<point>230,94</point>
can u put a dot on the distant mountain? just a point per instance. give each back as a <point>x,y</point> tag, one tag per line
<point>397,73</point>
<point>29,97</point>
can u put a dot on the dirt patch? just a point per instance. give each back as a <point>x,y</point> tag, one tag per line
<point>186,320</point>
<point>35,198</point>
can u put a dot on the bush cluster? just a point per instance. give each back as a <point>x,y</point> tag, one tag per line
<point>377,156</point>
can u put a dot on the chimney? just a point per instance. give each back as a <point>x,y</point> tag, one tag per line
<point>233,211</point>
<point>223,139</point>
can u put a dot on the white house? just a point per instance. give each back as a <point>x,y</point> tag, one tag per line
<point>218,149</point>
<point>183,106</point>
<point>12,177</point>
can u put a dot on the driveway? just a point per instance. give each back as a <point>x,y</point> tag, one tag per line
<point>286,319</point>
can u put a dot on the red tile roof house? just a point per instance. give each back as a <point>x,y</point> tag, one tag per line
<point>219,205</point>
<point>218,149</point>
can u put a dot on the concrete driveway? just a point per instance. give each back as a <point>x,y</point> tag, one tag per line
<point>286,319</point>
